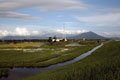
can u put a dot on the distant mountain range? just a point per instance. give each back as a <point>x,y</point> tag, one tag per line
<point>87,35</point>
<point>22,37</point>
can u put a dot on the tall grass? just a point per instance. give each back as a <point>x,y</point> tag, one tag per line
<point>103,64</point>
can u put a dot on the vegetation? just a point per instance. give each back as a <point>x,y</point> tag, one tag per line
<point>18,45</point>
<point>71,54</point>
<point>56,44</point>
<point>4,72</point>
<point>22,59</point>
<point>52,53</point>
<point>14,58</point>
<point>62,44</point>
<point>103,64</point>
<point>89,42</point>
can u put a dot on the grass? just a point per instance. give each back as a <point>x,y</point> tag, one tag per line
<point>73,53</point>
<point>103,64</point>
<point>23,59</point>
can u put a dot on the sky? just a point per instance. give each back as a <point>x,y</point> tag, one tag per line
<point>37,17</point>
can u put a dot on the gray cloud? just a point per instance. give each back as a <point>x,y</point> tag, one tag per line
<point>23,31</point>
<point>104,20</point>
<point>7,6</point>
<point>112,34</point>
<point>111,10</point>
<point>9,14</point>
<point>47,5</point>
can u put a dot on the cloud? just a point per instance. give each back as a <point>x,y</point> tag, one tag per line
<point>105,20</point>
<point>59,16</point>
<point>112,34</point>
<point>71,31</point>
<point>8,6</point>
<point>4,33</point>
<point>111,10</point>
<point>22,31</point>
<point>35,32</point>
<point>17,32</point>
<point>9,14</point>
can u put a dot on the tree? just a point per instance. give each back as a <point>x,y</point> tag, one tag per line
<point>50,39</point>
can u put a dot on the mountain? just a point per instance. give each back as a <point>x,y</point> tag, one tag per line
<point>43,36</point>
<point>87,35</point>
<point>23,37</point>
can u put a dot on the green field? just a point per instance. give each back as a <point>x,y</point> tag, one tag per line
<point>103,64</point>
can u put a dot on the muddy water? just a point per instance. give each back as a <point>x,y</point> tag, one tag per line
<point>16,73</point>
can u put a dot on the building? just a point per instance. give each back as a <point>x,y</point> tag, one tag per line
<point>55,39</point>
<point>84,39</point>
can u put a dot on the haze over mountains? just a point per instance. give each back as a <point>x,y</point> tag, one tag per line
<point>87,35</point>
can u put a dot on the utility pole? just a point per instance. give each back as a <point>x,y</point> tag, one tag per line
<point>64,36</point>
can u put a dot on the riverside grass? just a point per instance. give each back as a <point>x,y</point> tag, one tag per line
<point>103,64</point>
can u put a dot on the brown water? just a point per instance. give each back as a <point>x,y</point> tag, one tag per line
<point>16,73</point>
